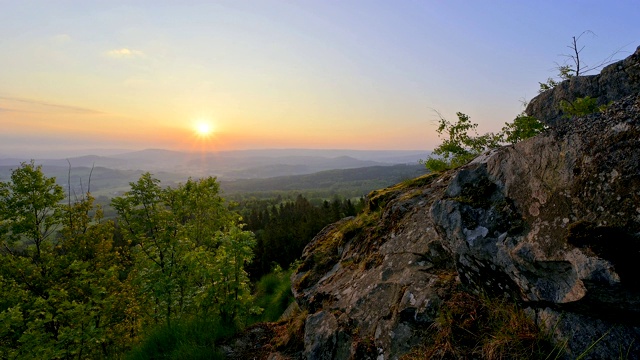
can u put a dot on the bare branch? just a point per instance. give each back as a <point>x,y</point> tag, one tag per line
<point>578,67</point>
<point>93,165</point>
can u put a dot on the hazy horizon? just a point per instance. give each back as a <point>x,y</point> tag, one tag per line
<point>225,75</point>
<point>63,154</point>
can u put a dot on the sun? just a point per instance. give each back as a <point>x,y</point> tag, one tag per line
<point>203,128</point>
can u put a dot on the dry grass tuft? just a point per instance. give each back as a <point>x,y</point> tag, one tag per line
<point>470,326</point>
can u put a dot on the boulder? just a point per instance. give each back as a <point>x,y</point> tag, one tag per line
<point>614,82</point>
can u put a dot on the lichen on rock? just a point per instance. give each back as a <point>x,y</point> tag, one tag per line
<point>552,222</point>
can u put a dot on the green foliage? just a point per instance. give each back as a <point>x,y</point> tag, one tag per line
<point>522,127</point>
<point>30,207</point>
<point>548,85</point>
<point>189,254</point>
<point>74,286</point>
<point>436,164</point>
<point>581,107</point>
<point>283,229</point>
<point>193,339</point>
<point>273,295</point>
<point>61,295</point>
<point>459,146</point>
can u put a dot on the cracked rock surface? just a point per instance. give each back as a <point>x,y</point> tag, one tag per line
<point>552,222</point>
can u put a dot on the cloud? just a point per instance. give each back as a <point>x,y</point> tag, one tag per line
<point>124,53</point>
<point>61,39</point>
<point>39,106</point>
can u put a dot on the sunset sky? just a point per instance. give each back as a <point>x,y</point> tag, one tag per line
<point>88,75</point>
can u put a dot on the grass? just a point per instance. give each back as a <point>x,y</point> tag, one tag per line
<point>470,326</point>
<point>273,295</point>
<point>379,198</point>
<point>193,339</point>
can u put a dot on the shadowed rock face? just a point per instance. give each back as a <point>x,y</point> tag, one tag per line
<point>553,222</point>
<point>555,212</point>
<point>616,81</point>
<point>385,280</point>
<point>557,226</point>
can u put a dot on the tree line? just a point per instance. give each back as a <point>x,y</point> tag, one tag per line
<point>283,228</point>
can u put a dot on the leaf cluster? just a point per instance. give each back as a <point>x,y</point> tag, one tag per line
<point>581,107</point>
<point>62,293</point>
<point>189,253</point>
<point>461,142</point>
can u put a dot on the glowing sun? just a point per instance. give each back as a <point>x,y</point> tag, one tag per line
<point>203,128</point>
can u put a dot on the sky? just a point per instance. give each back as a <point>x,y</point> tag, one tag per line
<point>83,76</point>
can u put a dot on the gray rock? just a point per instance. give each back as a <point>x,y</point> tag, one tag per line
<point>383,290</point>
<point>553,222</point>
<point>556,220</point>
<point>614,82</point>
<point>320,336</point>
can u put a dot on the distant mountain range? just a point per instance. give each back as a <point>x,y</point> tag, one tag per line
<point>231,165</point>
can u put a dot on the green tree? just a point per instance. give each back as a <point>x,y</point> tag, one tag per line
<point>461,144</point>
<point>183,239</point>
<point>30,209</point>
<point>60,292</point>
<point>152,228</point>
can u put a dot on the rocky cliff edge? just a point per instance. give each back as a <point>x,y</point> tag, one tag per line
<point>552,222</point>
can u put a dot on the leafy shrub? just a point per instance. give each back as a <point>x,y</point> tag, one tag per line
<point>459,146</point>
<point>580,107</point>
<point>548,85</point>
<point>522,127</point>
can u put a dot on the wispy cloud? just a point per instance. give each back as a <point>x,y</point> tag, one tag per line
<point>124,53</point>
<point>40,104</point>
<point>61,39</point>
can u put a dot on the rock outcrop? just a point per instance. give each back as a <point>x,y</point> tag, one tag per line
<point>372,284</point>
<point>555,222</point>
<point>614,82</point>
<point>552,222</point>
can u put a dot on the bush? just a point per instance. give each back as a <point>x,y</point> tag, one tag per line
<point>580,107</point>
<point>522,127</point>
<point>194,339</point>
<point>460,146</point>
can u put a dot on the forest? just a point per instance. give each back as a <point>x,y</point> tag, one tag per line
<point>175,260</point>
